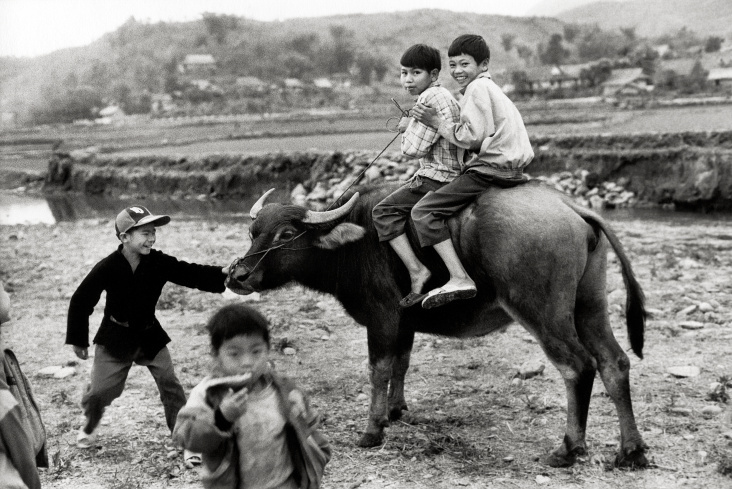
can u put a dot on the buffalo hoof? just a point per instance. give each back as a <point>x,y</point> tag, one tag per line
<point>397,412</point>
<point>632,458</point>
<point>369,440</point>
<point>561,457</point>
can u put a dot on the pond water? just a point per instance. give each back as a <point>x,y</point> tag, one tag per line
<point>19,209</point>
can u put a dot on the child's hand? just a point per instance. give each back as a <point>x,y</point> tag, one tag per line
<point>403,123</point>
<point>426,115</point>
<point>81,352</point>
<point>234,404</point>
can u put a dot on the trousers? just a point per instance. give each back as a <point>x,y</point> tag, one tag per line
<point>108,377</point>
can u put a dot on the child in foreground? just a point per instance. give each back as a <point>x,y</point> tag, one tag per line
<point>254,428</point>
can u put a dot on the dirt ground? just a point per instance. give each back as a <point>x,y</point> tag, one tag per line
<point>470,425</point>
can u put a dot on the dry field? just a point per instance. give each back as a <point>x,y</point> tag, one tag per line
<point>469,425</point>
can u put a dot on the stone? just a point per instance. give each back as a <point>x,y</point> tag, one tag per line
<point>50,371</point>
<point>705,307</point>
<point>711,410</point>
<point>654,313</point>
<point>687,310</point>
<point>288,350</point>
<point>542,479</point>
<point>597,202</point>
<point>362,397</point>
<point>691,325</point>
<point>64,372</point>
<point>530,369</point>
<point>684,371</point>
<point>617,296</point>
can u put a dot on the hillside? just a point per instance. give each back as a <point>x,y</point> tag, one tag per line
<point>653,18</point>
<point>140,57</point>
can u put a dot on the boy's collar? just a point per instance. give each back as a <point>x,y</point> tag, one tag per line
<point>485,74</point>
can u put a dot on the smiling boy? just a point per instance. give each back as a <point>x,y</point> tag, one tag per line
<point>133,277</point>
<point>497,146</point>
<point>439,161</point>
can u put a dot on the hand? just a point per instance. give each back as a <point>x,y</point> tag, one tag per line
<point>426,115</point>
<point>81,352</point>
<point>234,404</point>
<point>403,123</point>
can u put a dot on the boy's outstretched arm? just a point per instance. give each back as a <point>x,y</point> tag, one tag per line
<point>476,120</point>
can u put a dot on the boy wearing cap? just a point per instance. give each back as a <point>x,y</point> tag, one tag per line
<point>133,277</point>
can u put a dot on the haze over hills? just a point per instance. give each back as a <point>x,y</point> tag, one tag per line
<point>651,17</point>
<point>552,8</point>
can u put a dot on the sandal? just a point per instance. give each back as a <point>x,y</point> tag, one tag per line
<point>411,299</point>
<point>445,294</point>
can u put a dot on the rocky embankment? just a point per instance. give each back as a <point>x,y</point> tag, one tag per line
<point>692,170</point>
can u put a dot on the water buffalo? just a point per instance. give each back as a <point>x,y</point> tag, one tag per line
<point>538,259</point>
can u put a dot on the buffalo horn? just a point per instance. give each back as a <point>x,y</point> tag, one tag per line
<point>259,204</point>
<point>315,217</point>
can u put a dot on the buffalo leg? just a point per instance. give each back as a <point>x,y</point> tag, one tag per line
<point>614,367</point>
<point>381,360</point>
<point>577,368</point>
<point>397,402</point>
<point>593,328</point>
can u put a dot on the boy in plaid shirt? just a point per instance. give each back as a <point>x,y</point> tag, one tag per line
<point>439,161</point>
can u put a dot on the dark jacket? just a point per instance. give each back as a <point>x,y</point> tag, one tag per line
<point>129,319</point>
<point>197,430</point>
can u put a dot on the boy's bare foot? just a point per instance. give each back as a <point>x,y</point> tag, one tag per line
<point>454,289</point>
<point>420,279</point>
<point>416,296</point>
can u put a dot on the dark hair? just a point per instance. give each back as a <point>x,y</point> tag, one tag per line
<point>235,320</point>
<point>471,44</point>
<point>422,56</point>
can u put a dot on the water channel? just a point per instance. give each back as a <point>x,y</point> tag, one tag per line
<point>22,209</point>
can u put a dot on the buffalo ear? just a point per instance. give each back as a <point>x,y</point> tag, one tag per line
<point>343,233</point>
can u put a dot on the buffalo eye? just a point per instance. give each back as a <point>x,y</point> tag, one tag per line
<point>286,235</point>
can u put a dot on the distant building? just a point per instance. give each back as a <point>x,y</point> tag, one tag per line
<point>720,77</point>
<point>198,64</point>
<point>627,81</point>
<point>112,114</point>
<point>251,84</point>
<point>294,84</point>
<point>323,83</point>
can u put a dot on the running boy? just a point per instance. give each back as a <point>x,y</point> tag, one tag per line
<point>253,427</point>
<point>439,161</point>
<point>133,277</point>
<point>492,131</point>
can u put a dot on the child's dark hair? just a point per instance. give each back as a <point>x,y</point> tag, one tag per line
<point>472,45</point>
<point>234,320</point>
<point>422,56</point>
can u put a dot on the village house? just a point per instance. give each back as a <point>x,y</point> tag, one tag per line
<point>720,77</point>
<point>323,83</point>
<point>198,64</point>
<point>251,85</point>
<point>627,81</point>
<point>112,114</point>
